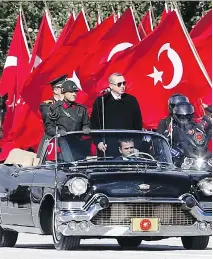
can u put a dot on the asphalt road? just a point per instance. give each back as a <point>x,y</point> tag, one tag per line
<point>41,247</point>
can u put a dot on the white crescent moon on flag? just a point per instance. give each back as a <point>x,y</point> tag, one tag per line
<point>11,61</point>
<point>118,48</point>
<point>177,64</point>
<point>51,148</point>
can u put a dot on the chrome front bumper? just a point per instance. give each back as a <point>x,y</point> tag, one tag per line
<point>67,213</point>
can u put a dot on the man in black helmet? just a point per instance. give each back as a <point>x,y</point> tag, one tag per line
<point>188,136</point>
<point>57,95</point>
<point>67,114</point>
<point>165,125</point>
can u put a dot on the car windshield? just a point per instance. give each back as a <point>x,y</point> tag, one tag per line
<point>120,145</point>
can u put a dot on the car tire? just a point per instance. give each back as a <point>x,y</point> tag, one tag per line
<point>8,238</point>
<point>62,242</point>
<point>129,242</point>
<point>195,243</point>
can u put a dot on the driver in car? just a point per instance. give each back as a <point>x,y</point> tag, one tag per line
<point>126,148</point>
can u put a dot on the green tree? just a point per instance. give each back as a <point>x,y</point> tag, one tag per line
<point>60,11</point>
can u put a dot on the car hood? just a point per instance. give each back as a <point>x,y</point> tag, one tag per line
<point>153,183</point>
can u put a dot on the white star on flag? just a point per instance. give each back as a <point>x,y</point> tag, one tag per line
<point>13,103</point>
<point>157,75</point>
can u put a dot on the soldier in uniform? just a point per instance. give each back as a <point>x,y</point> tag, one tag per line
<point>165,125</point>
<point>67,114</point>
<point>57,95</point>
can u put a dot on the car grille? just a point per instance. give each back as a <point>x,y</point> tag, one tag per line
<point>121,214</point>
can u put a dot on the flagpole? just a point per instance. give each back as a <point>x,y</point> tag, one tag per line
<point>152,16</point>
<point>84,11</point>
<point>55,27</point>
<point>137,17</point>
<point>25,25</point>
<point>113,11</point>
<point>166,7</point>
<point>100,12</point>
<point>197,57</point>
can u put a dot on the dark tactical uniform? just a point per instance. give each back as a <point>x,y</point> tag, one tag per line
<point>188,136</point>
<point>163,127</point>
<point>68,116</point>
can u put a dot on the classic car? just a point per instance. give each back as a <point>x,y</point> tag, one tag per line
<point>73,192</point>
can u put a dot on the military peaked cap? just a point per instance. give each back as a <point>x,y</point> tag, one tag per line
<point>58,81</point>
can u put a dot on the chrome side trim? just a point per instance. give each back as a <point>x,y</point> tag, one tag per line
<point>205,205</point>
<point>63,205</point>
<point>201,215</point>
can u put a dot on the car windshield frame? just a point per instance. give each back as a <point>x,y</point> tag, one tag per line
<point>154,135</point>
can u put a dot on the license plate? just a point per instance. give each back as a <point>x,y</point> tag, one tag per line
<point>145,224</point>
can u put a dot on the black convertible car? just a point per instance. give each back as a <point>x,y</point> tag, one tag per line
<point>131,192</point>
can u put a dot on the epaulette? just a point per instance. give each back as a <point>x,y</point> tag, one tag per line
<point>48,101</point>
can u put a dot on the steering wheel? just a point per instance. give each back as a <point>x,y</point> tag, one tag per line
<point>141,155</point>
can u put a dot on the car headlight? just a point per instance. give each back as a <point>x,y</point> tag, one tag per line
<point>199,162</point>
<point>192,163</point>
<point>205,185</point>
<point>187,164</point>
<point>77,185</point>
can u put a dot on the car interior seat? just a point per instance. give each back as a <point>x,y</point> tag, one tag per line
<point>22,158</point>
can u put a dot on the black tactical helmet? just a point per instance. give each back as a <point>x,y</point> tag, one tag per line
<point>174,99</point>
<point>183,113</point>
<point>69,86</point>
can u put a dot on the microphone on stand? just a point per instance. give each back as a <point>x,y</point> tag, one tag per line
<point>106,90</point>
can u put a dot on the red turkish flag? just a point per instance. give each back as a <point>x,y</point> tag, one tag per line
<point>164,13</point>
<point>44,43</point>
<point>14,75</point>
<point>145,27</point>
<point>202,38</point>
<point>69,57</point>
<point>24,120</point>
<point>66,32</point>
<point>203,26</point>
<point>156,68</point>
<point>121,36</point>
<point>15,72</point>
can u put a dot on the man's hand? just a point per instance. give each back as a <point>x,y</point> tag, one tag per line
<point>102,146</point>
<point>86,131</point>
<point>62,132</point>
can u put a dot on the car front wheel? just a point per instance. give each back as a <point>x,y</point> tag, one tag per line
<point>62,242</point>
<point>8,238</point>
<point>195,243</point>
<point>129,242</point>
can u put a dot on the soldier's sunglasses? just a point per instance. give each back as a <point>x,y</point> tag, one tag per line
<point>120,84</point>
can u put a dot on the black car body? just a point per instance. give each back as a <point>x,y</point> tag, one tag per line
<point>72,194</point>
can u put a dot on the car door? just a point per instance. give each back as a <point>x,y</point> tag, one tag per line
<point>19,198</point>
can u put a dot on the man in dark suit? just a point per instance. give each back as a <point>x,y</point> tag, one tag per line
<point>121,110</point>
